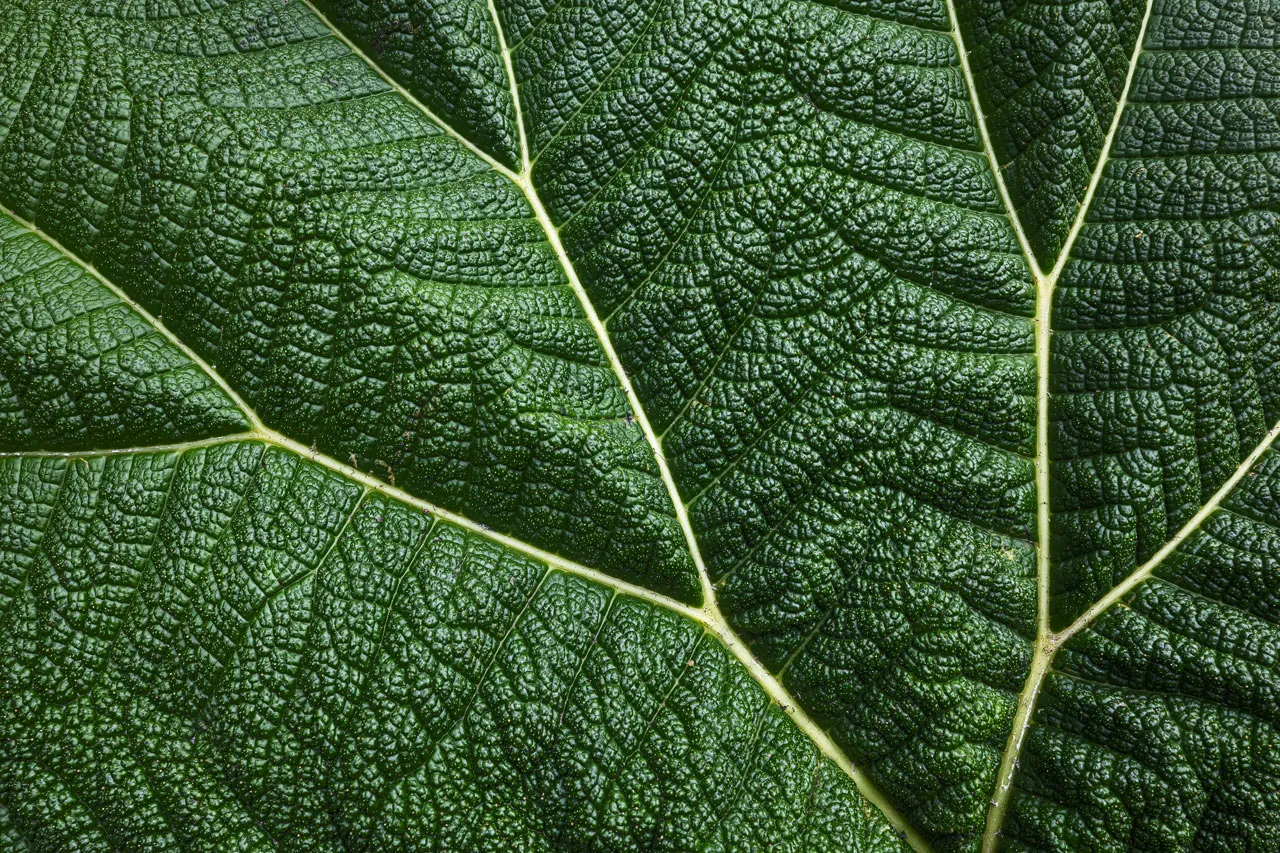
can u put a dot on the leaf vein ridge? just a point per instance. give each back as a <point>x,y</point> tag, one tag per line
<point>1104,156</point>
<point>980,119</point>
<point>1046,642</point>
<point>1193,524</point>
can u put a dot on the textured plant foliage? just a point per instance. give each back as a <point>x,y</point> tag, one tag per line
<point>716,425</point>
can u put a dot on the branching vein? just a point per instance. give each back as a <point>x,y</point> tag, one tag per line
<point>708,616</point>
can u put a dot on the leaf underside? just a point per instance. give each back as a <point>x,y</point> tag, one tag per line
<point>639,425</point>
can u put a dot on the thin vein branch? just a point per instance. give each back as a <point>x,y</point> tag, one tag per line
<point>177,447</point>
<point>272,438</point>
<point>981,120</point>
<point>155,324</point>
<point>409,96</point>
<point>553,560</point>
<point>1047,642</point>
<point>709,615</point>
<point>511,86</point>
<point>1094,179</point>
<point>637,410</point>
<point>1145,571</point>
<point>525,182</point>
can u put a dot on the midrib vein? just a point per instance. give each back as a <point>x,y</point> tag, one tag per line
<point>709,614</point>
<point>1042,653</point>
<point>1048,642</point>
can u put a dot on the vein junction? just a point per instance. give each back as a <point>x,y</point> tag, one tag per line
<point>709,614</point>
<point>1048,641</point>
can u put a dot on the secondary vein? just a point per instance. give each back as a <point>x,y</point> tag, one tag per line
<point>146,315</point>
<point>981,120</point>
<point>1193,524</point>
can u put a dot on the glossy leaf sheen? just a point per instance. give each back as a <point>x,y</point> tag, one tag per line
<point>434,424</point>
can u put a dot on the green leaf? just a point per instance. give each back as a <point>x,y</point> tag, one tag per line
<point>639,425</point>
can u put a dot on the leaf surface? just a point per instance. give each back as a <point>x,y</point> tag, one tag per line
<point>265,654</point>
<point>638,424</point>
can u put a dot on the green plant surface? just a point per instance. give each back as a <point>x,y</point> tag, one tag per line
<point>716,425</point>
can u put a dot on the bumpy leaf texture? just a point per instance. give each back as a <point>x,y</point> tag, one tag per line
<point>621,425</point>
